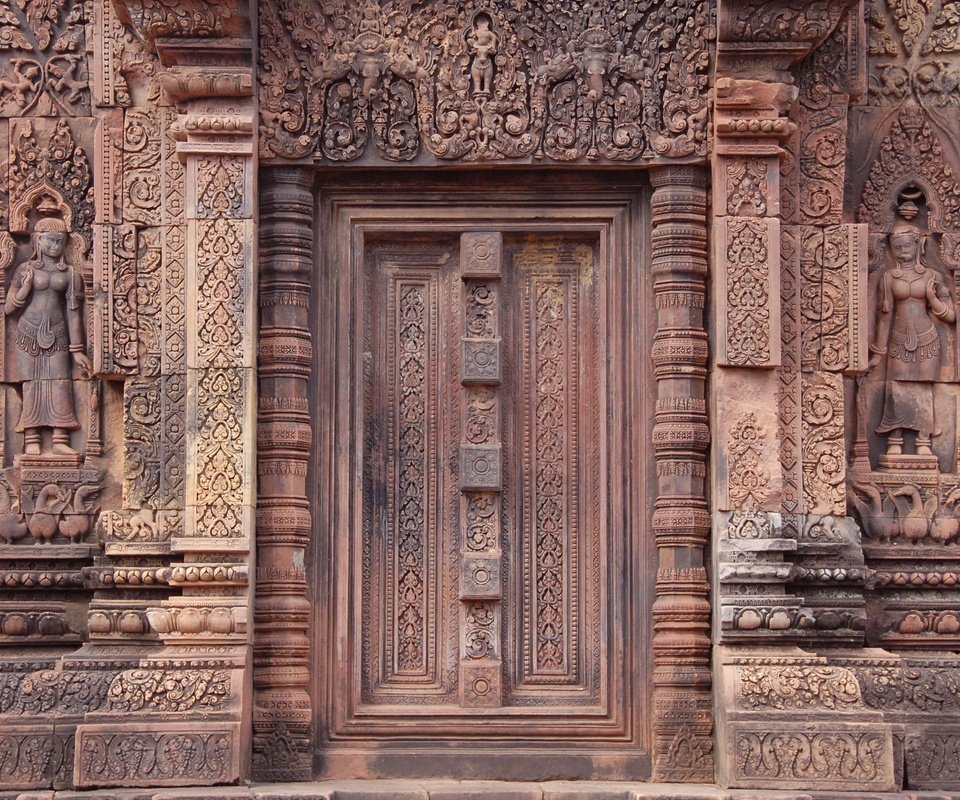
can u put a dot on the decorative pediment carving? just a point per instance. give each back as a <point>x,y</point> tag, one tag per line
<point>911,155</point>
<point>484,81</point>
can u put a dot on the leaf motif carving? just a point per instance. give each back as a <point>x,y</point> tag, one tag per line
<point>910,17</point>
<point>41,16</point>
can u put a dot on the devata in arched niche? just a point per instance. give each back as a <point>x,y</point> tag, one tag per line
<point>903,479</point>
<point>907,401</point>
<point>47,493</point>
<point>915,306</point>
<point>46,294</point>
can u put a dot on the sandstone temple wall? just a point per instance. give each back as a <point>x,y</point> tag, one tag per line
<point>163,169</point>
<point>835,618</point>
<point>127,482</point>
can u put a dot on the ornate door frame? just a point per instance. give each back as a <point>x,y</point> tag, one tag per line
<point>587,715</point>
<point>677,262</point>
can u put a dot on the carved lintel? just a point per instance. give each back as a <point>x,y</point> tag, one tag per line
<point>623,87</point>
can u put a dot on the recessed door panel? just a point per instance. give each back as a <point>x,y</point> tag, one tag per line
<point>484,551</point>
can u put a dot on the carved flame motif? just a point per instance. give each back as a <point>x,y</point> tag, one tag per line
<point>51,166</point>
<point>911,151</point>
<point>748,480</point>
<point>488,81</point>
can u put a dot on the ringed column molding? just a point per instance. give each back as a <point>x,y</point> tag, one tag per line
<point>681,520</point>
<point>283,714</point>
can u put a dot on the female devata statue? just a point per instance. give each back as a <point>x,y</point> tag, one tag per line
<point>911,299</point>
<point>49,335</point>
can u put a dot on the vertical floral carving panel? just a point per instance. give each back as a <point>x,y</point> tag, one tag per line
<point>551,561</point>
<point>833,298</point>
<point>413,538</point>
<point>749,291</point>
<point>822,444</point>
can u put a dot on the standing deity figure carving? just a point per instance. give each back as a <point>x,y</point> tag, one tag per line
<point>911,300</point>
<point>484,42</point>
<point>50,332</point>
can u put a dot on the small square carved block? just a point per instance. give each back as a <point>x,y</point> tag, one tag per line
<point>481,684</point>
<point>481,361</point>
<point>480,576</point>
<point>481,254</point>
<point>479,467</point>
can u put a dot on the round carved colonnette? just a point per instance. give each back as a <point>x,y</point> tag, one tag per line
<point>681,520</point>
<point>282,710</point>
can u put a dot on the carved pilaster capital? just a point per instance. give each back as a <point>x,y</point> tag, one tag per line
<point>765,38</point>
<point>292,174</point>
<point>189,83</point>
<point>753,111</point>
<point>692,175</point>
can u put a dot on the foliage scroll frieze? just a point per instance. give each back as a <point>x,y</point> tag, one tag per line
<point>485,80</point>
<point>43,65</point>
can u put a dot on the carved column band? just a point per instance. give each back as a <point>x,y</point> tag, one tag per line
<point>681,643</point>
<point>282,709</point>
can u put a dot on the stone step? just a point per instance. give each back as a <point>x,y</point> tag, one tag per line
<point>466,790</point>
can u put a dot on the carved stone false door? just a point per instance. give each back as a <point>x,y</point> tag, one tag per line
<point>485,570</point>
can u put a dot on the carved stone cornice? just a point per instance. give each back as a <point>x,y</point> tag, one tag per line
<point>765,38</point>
<point>205,48</point>
<point>185,19</point>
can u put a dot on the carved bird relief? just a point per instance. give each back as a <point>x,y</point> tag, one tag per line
<point>876,512</point>
<point>915,516</point>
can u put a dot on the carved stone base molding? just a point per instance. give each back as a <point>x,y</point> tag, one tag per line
<point>790,580</point>
<point>801,722</point>
<point>850,720</point>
